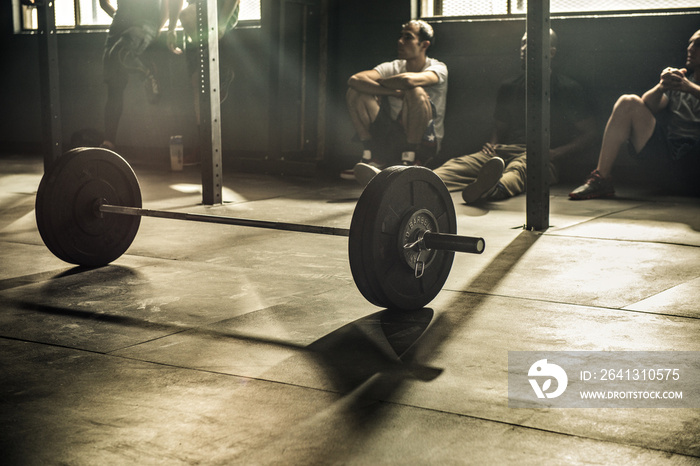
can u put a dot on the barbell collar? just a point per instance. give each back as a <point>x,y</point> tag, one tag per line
<point>450,242</point>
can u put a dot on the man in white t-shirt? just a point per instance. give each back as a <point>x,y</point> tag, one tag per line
<point>398,107</point>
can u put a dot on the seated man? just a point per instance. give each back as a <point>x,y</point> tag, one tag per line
<point>498,171</point>
<point>637,120</point>
<point>398,108</point>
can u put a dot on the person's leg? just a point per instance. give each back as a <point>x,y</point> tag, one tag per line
<point>116,79</point>
<point>459,172</point>
<point>363,109</point>
<point>416,114</point>
<point>416,117</point>
<point>228,15</point>
<point>128,51</point>
<point>113,112</point>
<point>515,171</point>
<point>630,121</point>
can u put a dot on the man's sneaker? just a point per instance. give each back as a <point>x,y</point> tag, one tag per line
<point>349,174</point>
<point>152,89</point>
<point>364,172</point>
<point>595,186</point>
<point>486,181</point>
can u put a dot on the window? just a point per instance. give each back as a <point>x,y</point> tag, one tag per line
<point>514,7</point>
<point>74,14</point>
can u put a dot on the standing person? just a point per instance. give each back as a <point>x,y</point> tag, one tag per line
<point>135,25</point>
<point>498,171</point>
<point>398,107</point>
<point>662,125</point>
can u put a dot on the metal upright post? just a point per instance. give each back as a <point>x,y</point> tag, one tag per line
<point>48,70</point>
<point>538,94</point>
<point>210,103</point>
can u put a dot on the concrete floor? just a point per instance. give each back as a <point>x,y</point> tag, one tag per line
<point>211,344</point>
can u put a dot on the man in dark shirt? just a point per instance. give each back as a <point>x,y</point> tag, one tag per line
<point>662,125</point>
<point>498,171</point>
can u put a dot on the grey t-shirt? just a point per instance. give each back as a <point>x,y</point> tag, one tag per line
<point>437,92</point>
<point>684,111</point>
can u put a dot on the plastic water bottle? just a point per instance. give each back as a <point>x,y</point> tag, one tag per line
<point>176,153</point>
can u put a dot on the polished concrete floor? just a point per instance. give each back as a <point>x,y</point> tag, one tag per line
<point>211,344</point>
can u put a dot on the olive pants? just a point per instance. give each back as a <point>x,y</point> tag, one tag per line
<point>458,172</point>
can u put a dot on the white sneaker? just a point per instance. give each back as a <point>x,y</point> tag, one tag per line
<point>349,174</point>
<point>364,172</point>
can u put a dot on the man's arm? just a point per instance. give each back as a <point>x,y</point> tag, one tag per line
<point>672,79</point>
<point>106,5</point>
<point>409,80</point>
<point>655,99</point>
<point>584,138</point>
<point>499,130</point>
<point>174,8</point>
<point>226,11</point>
<point>367,82</point>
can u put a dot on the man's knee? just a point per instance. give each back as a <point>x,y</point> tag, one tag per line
<point>351,97</point>
<point>356,99</point>
<point>416,96</point>
<point>629,103</point>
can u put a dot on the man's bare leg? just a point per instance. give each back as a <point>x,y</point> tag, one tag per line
<point>363,109</point>
<point>416,114</point>
<point>630,120</point>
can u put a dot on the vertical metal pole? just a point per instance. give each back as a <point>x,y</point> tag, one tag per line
<point>50,92</point>
<point>322,83</point>
<point>538,77</point>
<point>210,103</point>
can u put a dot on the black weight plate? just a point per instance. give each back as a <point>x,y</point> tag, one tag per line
<point>379,270</point>
<point>66,201</point>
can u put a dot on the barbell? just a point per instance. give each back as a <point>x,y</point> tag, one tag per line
<point>402,235</point>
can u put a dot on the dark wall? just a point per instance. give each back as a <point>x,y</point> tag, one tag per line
<point>608,55</point>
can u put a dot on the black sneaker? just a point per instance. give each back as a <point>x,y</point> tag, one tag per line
<point>595,187</point>
<point>486,182</point>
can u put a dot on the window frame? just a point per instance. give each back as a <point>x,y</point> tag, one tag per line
<point>574,14</point>
<point>19,21</point>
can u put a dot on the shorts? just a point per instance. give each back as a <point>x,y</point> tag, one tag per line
<point>660,147</point>
<point>123,50</point>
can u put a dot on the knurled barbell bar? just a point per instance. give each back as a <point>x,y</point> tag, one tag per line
<point>402,236</point>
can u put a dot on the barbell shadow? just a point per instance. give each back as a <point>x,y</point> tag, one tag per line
<point>438,334</point>
<point>348,356</point>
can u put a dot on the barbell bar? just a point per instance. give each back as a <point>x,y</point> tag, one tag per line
<point>427,239</point>
<point>402,236</point>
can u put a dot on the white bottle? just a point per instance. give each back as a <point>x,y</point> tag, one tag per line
<point>176,153</point>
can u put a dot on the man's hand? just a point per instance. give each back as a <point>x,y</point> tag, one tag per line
<point>172,43</point>
<point>674,79</point>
